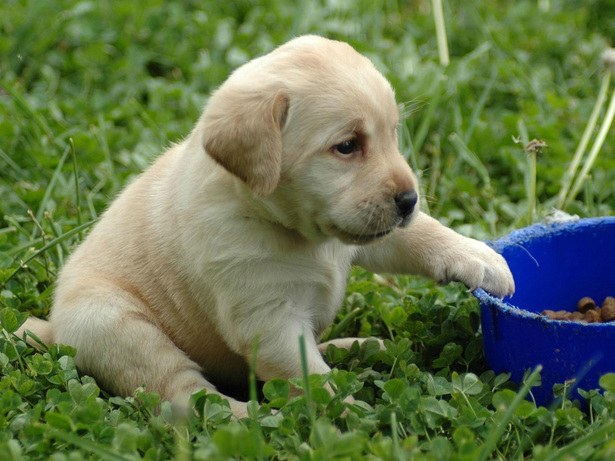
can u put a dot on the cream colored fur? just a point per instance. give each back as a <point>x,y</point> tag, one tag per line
<point>247,229</point>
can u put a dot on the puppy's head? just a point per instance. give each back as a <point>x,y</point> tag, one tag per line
<point>310,128</point>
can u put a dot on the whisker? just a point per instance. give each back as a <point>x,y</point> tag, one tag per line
<point>407,108</point>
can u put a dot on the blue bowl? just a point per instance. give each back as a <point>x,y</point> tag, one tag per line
<point>554,266</point>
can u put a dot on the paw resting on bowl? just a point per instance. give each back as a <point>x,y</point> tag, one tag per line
<point>476,265</point>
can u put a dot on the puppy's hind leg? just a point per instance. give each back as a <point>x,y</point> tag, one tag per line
<point>41,328</point>
<point>123,349</point>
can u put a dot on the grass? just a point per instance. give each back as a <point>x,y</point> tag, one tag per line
<point>90,92</point>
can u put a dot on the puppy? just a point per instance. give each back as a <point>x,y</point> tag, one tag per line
<point>245,232</point>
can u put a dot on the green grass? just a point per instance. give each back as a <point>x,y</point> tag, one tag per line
<point>90,93</point>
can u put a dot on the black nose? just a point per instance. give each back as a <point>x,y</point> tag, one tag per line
<point>405,202</point>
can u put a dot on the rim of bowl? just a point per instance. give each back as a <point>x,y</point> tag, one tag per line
<point>522,235</point>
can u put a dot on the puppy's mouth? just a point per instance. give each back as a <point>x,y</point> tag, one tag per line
<point>361,238</point>
<point>364,237</point>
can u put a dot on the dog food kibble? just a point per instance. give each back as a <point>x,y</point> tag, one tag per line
<point>585,304</point>
<point>593,316</point>
<point>556,315</point>
<point>587,311</point>
<point>608,309</point>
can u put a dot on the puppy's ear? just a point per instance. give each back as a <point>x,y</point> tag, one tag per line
<point>243,133</point>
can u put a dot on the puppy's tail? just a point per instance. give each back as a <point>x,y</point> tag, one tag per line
<point>37,327</point>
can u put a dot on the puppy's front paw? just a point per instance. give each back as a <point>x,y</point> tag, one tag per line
<point>477,266</point>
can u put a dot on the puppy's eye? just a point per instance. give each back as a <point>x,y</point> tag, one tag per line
<point>347,147</point>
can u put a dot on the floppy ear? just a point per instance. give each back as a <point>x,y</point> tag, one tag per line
<point>243,133</point>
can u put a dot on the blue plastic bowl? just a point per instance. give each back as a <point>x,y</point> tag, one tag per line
<point>554,266</point>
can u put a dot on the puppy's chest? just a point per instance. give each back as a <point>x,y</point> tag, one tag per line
<point>321,293</point>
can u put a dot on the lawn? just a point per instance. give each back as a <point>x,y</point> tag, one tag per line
<point>91,92</point>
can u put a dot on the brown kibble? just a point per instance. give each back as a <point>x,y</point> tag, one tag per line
<point>608,301</point>
<point>585,304</point>
<point>556,315</point>
<point>587,311</point>
<point>593,315</point>
<point>608,309</point>
<point>577,316</point>
<point>550,314</point>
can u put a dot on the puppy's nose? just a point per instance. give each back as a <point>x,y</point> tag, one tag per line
<point>405,202</point>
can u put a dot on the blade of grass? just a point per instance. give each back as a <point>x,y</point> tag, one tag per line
<point>588,195</point>
<point>76,179</point>
<point>8,230</point>
<point>37,225</point>
<point>56,230</point>
<point>532,149</point>
<point>438,17</point>
<point>31,114</point>
<point>494,435</point>
<point>406,145</point>
<point>343,324</point>
<point>580,151</point>
<point>306,378</point>
<point>395,448</point>
<point>89,198</point>
<point>49,245</point>
<point>470,158</point>
<point>18,249</point>
<point>531,190</point>
<point>590,439</point>
<point>183,448</point>
<point>101,135</point>
<point>52,182</point>
<point>11,163</point>
<point>595,150</point>
<point>480,105</point>
<point>524,136</point>
<point>423,128</point>
<point>435,173</point>
<point>95,448</point>
<point>12,220</point>
<point>149,121</point>
<point>8,337</point>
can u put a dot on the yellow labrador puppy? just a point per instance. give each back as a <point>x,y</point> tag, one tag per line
<point>245,232</point>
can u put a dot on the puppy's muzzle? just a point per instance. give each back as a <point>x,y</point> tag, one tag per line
<point>405,203</point>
